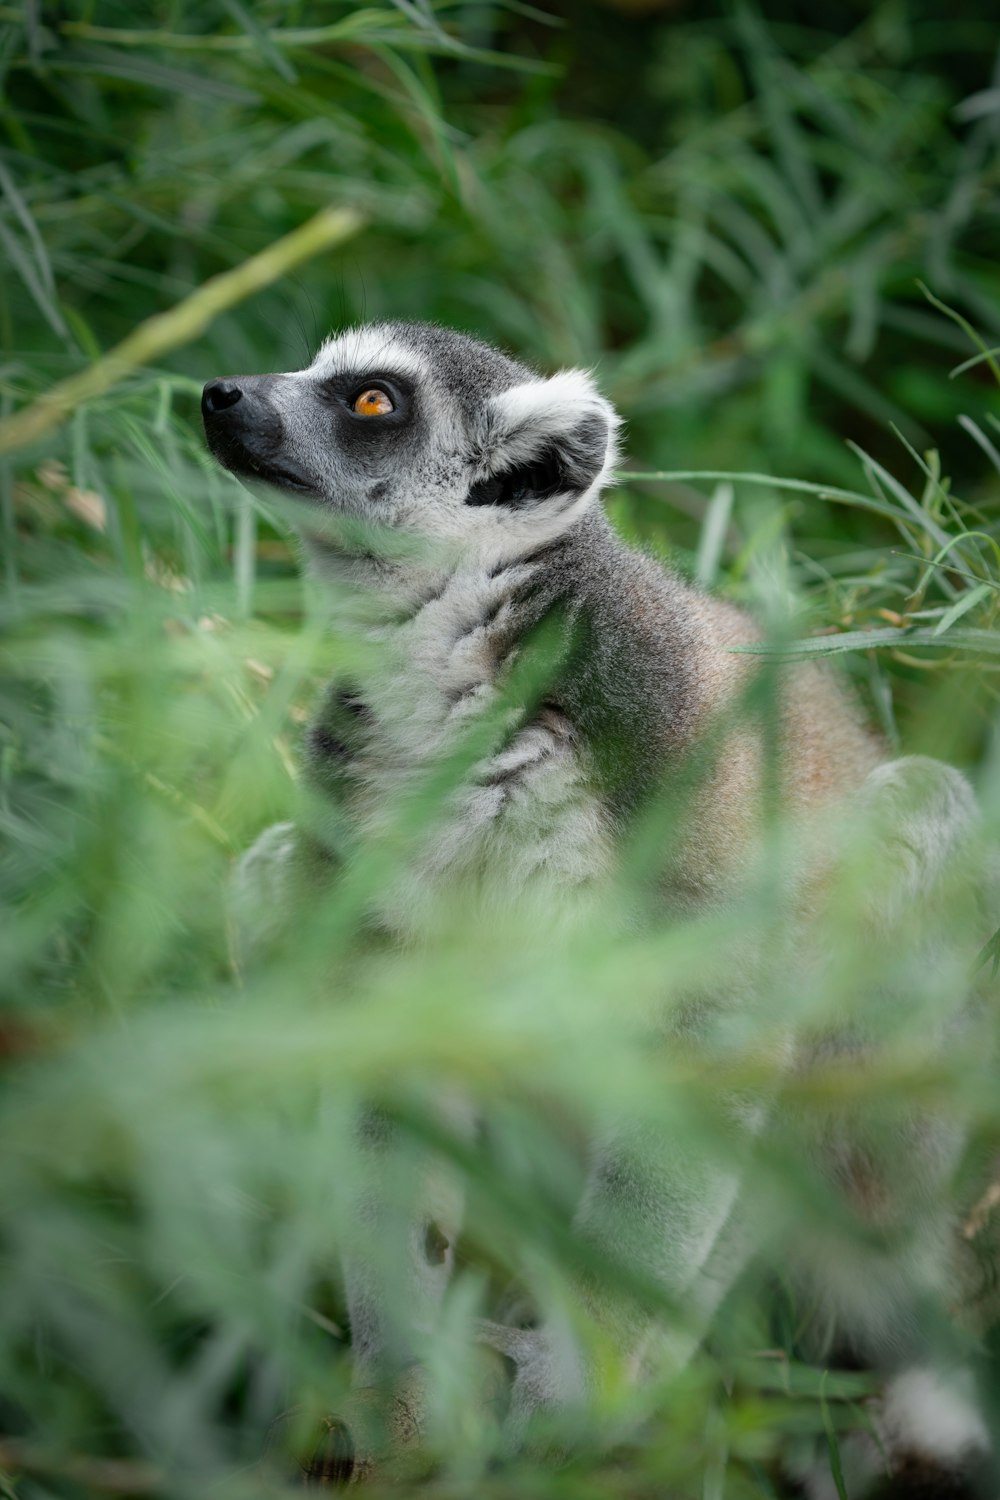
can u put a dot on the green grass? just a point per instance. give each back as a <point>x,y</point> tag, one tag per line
<point>776,246</point>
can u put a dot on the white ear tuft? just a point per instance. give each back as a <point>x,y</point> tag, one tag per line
<point>563,422</point>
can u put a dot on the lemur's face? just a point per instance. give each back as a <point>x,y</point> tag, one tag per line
<point>412,428</point>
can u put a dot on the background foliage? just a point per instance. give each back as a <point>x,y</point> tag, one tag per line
<point>748,225</point>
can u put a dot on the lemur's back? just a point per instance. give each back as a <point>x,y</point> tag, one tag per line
<point>658,659</point>
<point>672,645</point>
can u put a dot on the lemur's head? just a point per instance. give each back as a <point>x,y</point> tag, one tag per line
<point>412,428</point>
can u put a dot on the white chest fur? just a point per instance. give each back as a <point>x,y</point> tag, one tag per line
<point>522,829</point>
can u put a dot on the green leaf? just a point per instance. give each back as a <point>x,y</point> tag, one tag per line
<point>833,1447</point>
<point>962,605</point>
<point>985,352</point>
<point>978,642</point>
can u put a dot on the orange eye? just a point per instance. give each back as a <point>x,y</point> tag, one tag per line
<point>373,403</point>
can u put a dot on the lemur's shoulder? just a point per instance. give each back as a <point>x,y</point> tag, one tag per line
<point>663,650</point>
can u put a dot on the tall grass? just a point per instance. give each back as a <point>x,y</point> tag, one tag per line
<point>737,241</point>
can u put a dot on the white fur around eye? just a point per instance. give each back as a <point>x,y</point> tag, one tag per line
<point>361,349</point>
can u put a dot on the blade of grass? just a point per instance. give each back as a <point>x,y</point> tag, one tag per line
<point>42,286</point>
<point>983,642</point>
<point>771,481</point>
<point>984,351</point>
<point>713,534</point>
<point>165,331</point>
<point>833,1445</point>
<point>961,607</point>
<point>979,437</point>
<point>252,27</point>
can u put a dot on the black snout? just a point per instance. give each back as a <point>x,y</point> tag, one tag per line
<point>219,395</point>
<point>246,433</point>
<point>239,412</point>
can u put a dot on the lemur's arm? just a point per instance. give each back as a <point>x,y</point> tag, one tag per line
<point>290,864</point>
<point>262,894</point>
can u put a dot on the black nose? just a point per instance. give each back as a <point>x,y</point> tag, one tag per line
<point>219,395</point>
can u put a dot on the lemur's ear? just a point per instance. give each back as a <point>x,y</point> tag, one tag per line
<point>545,440</point>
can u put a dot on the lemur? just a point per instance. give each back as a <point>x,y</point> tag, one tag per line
<point>449,500</point>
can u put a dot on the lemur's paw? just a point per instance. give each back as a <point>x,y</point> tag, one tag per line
<point>376,1433</point>
<point>917,1479</point>
<point>379,1432</point>
<point>930,1443</point>
<point>548,1374</point>
<point>260,892</point>
<point>320,1456</point>
<point>939,1444</point>
<point>332,1464</point>
<point>924,811</point>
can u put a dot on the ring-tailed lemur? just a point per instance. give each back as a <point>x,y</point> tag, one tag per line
<point>451,499</point>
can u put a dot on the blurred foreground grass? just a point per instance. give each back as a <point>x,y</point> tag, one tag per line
<point>731,224</point>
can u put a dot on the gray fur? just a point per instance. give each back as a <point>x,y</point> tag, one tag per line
<point>448,531</point>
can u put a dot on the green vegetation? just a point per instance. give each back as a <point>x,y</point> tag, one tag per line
<point>778,247</point>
